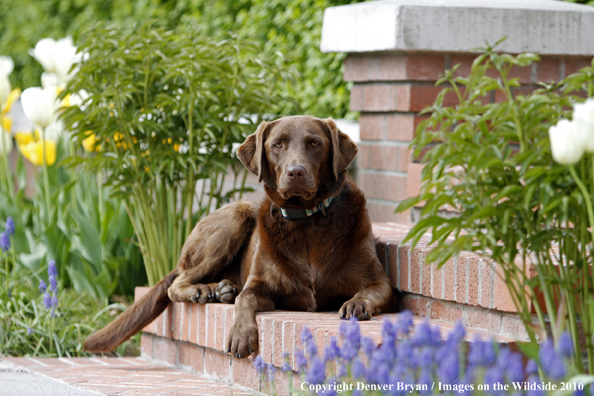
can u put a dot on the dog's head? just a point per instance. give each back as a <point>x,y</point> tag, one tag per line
<point>295,156</point>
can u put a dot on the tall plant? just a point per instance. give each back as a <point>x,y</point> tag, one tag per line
<point>164,110</point>
<point>492,163</point>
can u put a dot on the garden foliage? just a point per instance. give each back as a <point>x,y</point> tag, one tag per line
<point>491,163</point>
<point>287,26</point>
<point>164,110</point>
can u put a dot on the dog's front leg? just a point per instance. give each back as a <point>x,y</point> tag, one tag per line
<point>377,297</point>
<point>243,337</point>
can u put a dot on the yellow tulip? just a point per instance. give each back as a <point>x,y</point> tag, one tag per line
<point>65,102</point>
<point>6,123</point>
<point>14,95</point>
<point>34,152</point>
<point>23,138</point>
<point>90,144</point>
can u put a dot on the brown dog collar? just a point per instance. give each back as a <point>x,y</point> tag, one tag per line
<point>294,214</point>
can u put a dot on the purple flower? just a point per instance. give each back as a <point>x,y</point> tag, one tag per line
<point>51,268</point>
<point>9,292</point>
<point>342,371</point>
<point>29,330</point>
<point>494,376</point>
<point>531,367</point>
<point>10,226</point>
<point>449,367</point>
<point>514,368</point>
<point>42,286</point>
<point>4,242</point>
<point>551,362</point>
<point>54,301</point>
<point>317,372</point>
<point>404,323</point>
<point>423,335</point>
<point>388,329</point>
<point>300,360</point>
<point>481,353</point>
<point>425,379</point>
<point>458,333</point>
<point>423,358</point>
<point>270,371</point>
<point>349,330</point>
<point>368,346</point>
<point>47,300</point>
<point>565,345</point>
<point>436,336</point>
<point>259,364</point>
<point>53,284</point>
<point>331,351</point>
<point>358,369</point>
<point>533,380</point>
<point>309,343</point>
<point>286,366</point>
<point>591,389</point>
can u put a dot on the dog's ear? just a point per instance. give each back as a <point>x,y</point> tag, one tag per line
<point>343,148</point>
<point>252,152</point>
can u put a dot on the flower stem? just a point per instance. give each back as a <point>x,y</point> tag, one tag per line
<point>45,174</point>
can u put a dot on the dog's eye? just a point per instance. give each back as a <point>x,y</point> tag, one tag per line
<point>278,145</point>
<point>314,144</point>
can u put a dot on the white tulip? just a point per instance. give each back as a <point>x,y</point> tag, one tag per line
<point>54,130</point>
<point>583,116</point>
<point>6,66</point>
<point>39,105</point>
<point>49,80</point>
<point>567,144</point>
<point>77,99</point>
<point>44,53</point>
<point>5,143</point>
<point>56,57</point>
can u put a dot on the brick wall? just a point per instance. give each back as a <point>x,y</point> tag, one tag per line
<point>389,91</point>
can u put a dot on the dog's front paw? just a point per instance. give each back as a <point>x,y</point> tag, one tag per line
<point>226,292</point>
<point>202,294</point>
<point>243,339</point>
<point>356,308</point>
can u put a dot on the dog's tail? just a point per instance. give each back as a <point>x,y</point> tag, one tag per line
<point>133,319</point>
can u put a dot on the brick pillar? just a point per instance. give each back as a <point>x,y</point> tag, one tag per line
<point>397,50</point>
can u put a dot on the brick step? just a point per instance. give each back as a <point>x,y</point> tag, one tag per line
<point>116,376</point>
<point>192,336</point>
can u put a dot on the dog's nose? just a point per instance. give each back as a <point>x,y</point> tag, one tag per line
<point>295,172</point>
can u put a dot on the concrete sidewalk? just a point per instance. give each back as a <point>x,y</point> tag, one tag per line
<point>103,376</point>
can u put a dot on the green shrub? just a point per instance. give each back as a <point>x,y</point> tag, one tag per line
<point>288,26</point>
<point>492,163</point>
<point>166,109</point>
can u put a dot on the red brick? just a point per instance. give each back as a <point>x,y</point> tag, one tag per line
<point>229,318</point>
<point>394,188</point>
<point>278,346</point>
<point>502,300</point>
<point>217,364</point>
<point>548,70</point>
<point>449,272</point>
<point>415,271</point>
<point>573,65</point>
<point>512,326</point>
<point>356,103</point>
<point>404,158</point>
<point>146,345</point>
<point>436,281</point>
<point>320,338</point>
<point>193,323</point>
<point>486,280</point>
<point>178,321</point>
<point>473,280</point>
<point>446,312</point>
<point>422,96</point>
<point>202,323</point>
<point>465,65</point>
<point>379,97</point>
<point>389,68</point>
<point>244,374</point>
<point>385,212</point>
<point>384,157</point>
<point>356,68</point>
<point>211,317</point>
<point>288,335</point>
<point>168,321</point>
<point>523,73</point>
<point>461,277</point>
<point>400,127</point>
<point>164,350</point>
<point>372,184</point>
<point>364,156</point>
<point>404,264</point>
<point>191,356</point>
<point>403,97</point>
<point>185,332</point>
<point>220,326</point>
<point>424,67</point>
<point>372,126</point>
<point>158,325</point>
<point>413,182</point>
<point>483,319</point>
<point>266,339</point>
<point>426,274</point>
<point>418,306</point>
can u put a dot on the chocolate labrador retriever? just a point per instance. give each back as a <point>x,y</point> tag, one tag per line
<point>308,246</point>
